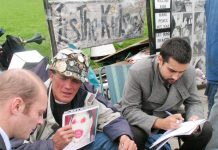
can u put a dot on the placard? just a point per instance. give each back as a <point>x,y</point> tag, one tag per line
<point>162,4</point>
<point>162,20</point>
<point>87,23</point>
<point>161,38</point>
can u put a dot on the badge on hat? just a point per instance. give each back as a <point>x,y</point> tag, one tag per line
<point>61,66</point>
<point>71,64</point>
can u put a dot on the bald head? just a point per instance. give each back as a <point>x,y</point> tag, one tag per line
<point>20,83</point>
<point>23,100</point>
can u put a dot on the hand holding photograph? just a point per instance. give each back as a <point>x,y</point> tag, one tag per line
<point>84,123</point>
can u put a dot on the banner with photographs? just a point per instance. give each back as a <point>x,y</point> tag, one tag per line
<point>180,18</point>
<point>188,21</point>
<point>88,23</point>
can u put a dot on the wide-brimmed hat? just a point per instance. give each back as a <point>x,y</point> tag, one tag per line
<point>71,63</point>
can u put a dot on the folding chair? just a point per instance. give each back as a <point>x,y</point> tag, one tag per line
<point>116,76</point>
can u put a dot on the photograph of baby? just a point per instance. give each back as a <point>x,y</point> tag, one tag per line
<point>84,124</point>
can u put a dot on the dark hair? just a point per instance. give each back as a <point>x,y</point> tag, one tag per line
<point>178,49</point>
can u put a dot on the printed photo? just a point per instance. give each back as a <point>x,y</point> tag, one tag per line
<point>84,124</point>
<point>199,45</point>
<point>199,22</point>
<point>181,5</point>
<point>177,19</point>
<point>199,5</point>
<point>176,32</point>
<point>186,25</point>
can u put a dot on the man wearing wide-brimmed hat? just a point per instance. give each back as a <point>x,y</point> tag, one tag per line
<point>69,89</point>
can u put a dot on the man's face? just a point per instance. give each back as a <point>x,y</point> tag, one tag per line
<point>171,71</point>
<point>64,88</point>
<point>30,119</point>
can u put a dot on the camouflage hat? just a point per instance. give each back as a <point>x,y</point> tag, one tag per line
<point>71,64</point>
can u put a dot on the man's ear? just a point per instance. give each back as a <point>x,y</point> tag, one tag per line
<point>17,105</point>
<point>160,59</point>
<point>51,74</point>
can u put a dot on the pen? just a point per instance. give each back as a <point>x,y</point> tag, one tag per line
<point>170,114</point>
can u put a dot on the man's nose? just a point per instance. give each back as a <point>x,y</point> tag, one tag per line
<point>68,84</point>
<point>176,75</point>
<point>40,121</point>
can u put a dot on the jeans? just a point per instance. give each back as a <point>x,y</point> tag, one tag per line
<point>143,141</point>
<point>210,92</point>
<point>102,142</point>
<point>213,118</point>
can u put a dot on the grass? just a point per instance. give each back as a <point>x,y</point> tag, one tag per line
<point>24,18</point>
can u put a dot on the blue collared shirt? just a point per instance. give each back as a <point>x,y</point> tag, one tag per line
<point>211,40</point>
<point>5,138</point>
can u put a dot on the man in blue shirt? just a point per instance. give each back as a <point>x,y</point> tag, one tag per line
<point>211,51</point>
<point>212,68</point>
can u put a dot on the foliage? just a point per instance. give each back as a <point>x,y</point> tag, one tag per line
<point>24,18</point>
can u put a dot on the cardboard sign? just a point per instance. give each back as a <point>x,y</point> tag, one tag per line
<point>161,38</point>
<point>162,20</point>
<point>162,4</point>
<point>87,23</point>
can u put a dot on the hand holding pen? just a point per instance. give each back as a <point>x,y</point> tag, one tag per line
<point>179,118</point>
<point>173,121</point>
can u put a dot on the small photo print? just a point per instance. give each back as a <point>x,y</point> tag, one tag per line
<point>199,22</point>
<point>199,5</point>
<point>181,6</point>
<point>84,124</point>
